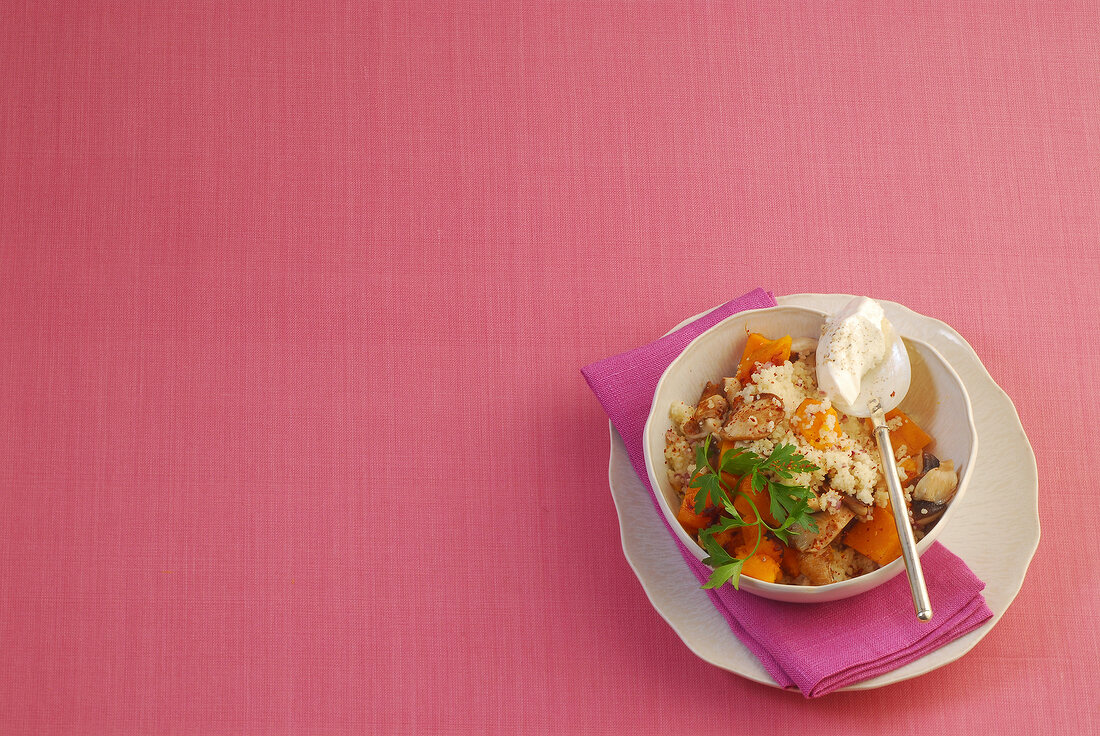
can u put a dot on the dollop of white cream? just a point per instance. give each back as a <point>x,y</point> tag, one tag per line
<point>853,342</point>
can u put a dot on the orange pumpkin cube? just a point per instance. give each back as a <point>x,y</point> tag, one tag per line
<point>762,564</point>
<point>877,537</point>
<point>815,426</point>
<point>691,521</point>
<point>908,435</point>
<point>761,350</point>
<point>790,563</point>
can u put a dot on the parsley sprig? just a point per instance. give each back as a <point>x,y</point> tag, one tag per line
<point>789,504</point>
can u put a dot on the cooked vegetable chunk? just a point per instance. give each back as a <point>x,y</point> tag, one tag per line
<point>761,350</point>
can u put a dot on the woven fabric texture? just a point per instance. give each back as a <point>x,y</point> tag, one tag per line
<point>293,298</point>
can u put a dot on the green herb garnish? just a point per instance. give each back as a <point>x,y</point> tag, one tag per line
<point>789,504</point>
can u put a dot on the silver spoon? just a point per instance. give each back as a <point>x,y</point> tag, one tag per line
<point>882,389</point>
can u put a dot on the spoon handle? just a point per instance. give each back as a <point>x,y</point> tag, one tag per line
<point>901,519</point>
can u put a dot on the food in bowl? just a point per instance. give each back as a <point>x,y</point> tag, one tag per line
<point>777,484</point>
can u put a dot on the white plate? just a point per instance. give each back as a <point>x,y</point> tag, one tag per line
<point>995,530</point>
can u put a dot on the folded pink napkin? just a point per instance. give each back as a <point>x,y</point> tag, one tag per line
<point>817,648</point>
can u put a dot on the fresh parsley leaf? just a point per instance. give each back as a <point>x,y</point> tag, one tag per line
<point>708,487</point>
<point>725,523</point>
<point>701,452</point>
<point>789,504</point>
<point>801,517</point>
<point>726,567</point>
<point>785,461</point>
<point>779,511</point>
<point>706,481</point>
<point>788,499</point>
<point>722,574</point>
<point>718,554</point>
<point>739,461</point>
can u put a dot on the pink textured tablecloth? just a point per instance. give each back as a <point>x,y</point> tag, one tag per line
<point>293,298</point>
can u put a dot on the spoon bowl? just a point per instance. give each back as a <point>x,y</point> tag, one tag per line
<point>887,382</point>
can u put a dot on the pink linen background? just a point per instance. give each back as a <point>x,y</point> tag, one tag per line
<point>293,298</point>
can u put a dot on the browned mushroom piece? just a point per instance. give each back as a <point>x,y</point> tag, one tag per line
<point>938,484</point>
<point>818,568</point>
<point>862,510</point>
<point>926,513</point>
<point>829,525</point>
<point>709,412</point>
<point>755,420</point>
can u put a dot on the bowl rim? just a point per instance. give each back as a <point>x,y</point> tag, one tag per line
<point>808,593</point>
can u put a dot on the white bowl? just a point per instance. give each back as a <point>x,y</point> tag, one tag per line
<point>937,401</point>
